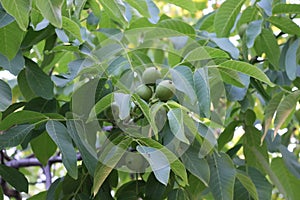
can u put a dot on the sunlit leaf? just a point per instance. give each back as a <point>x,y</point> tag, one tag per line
<point>51,10</point>
<point>226,16</point>
<point>247,69</point>
<point>19,10</point>
<point>285,24</point>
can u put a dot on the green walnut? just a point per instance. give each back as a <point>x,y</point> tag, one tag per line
<point>150,75</point>
<point>165,90</point>
<point>144,92</point>
<point>135,161</point>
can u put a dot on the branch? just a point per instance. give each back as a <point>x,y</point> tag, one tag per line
<point>29,162</point>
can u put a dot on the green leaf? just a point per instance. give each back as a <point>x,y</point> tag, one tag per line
<point>263,186</point>
<point>154,189</point>
<point>227,134</point>
<point>100,106</point>
<point>270,47</point>
<point>19,10</point>
<point>178,193</point>
<point>270,111</point>
<point>197,166</point>
<point>115,9</point>
<point>39,196</point>
<point>11,37</point>
<point>202,89</point>
<point>177,26</point>
<point>1,194</point>
<point>14,178</point>
<point>286,8</point>
<point>231,77</point>
<point>285,24</point>
<point>40,83</point>
<point>253,30</point>
<point>141,6</point>
<point>14,136</point>
<point>43,148</point>
<point>247,183</point>
<point>226,45</point>
<point>291,60</point>
<point>226,16</point>
<point>72,28</point>
<point>89,156</point>
<point>24,87</point>
<point>175,117</point>
<point>181,81</point>
<point>222,176</point>
<point>176,166</point>
<point>146,111</point>
<point>109,157</point>
<point>59,134</point>
<point>5,18</point>
<point>247,69</point>
<point>285,108</point>
<point>249,14</point>
<point>252,143</point>
<point>51,10</point>
<point>158,162</point>
<point>186,4</point>
<point>21,117</point>
<point>5,96</point>
<point>205,53</point>
<point>15,65</point>
<point>288,180</point>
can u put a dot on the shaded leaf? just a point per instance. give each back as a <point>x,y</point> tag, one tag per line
<point>43,147</point>
<point>109,157</point>
<point>14,178</point>
<point>226,45</point>
<point>291,60</point>
<point>39,81</point>
<point>222,176</point>
<point>5,96</point>
<point>288,181</point>
<point>15,65</point>
<point>197,166</point>
<point>14,136</point>
<point>253,30</point>
<point>247,183</point>
<point>88,154</point>
<point>24,87</point>
<point>226,15</point>
<point>59,134</point>
<point>5,18</point>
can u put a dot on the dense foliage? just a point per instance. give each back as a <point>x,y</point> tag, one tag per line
<point>144,99</point>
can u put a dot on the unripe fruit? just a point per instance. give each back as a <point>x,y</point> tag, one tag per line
<point>144,92</point>
<point>150,75</point>
<point>135,161</point>
<point>165,90</point>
